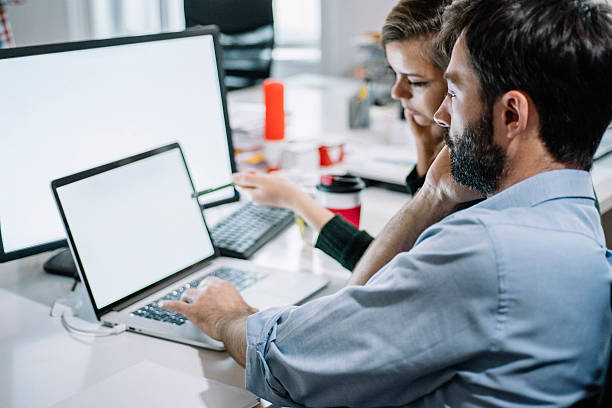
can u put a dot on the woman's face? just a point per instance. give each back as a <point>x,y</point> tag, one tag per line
<point>419,84</point>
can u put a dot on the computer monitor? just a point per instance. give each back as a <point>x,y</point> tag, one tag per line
<point>69,107</point>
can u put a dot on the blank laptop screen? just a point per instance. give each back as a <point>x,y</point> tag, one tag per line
<point>135,225</point>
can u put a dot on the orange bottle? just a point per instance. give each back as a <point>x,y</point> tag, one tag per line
<point>274,132</point>
<point>274,98</point>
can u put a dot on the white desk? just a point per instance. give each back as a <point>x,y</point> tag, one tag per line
<point>41,364</point>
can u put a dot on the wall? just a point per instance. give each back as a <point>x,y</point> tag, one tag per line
<point>39,21</point>
<point>48,21</point>
<point>45,21</point>
<point>341,21</point>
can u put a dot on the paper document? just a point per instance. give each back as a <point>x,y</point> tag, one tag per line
<point>389,164</point>
<point>151,385</point>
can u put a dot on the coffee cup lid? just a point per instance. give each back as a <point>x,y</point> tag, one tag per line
<point>340,184</point>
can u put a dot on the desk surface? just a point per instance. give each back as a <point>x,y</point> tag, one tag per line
<point>43,364</point>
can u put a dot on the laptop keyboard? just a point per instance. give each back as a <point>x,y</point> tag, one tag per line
<point>246,230</point>
<point>240,279</point>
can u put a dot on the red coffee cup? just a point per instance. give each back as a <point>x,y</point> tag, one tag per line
<point>331,154</point>
<point>341,195</point>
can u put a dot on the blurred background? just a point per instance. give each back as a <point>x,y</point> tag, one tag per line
<point>314,36</point>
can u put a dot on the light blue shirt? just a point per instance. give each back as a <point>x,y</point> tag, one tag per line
<point>505,304</point>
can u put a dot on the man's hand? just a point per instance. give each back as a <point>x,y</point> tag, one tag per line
<point>429,141</point>
<point>212,307</point>
<point>441,183</point>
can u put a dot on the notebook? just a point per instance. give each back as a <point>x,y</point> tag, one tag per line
<point>137,235</point>
<point>147,384</point>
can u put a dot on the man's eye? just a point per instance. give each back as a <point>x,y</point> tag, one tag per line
<point>450,94</point>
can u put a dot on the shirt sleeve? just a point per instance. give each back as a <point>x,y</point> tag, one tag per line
<point>387,343</point>
<point>414,181</point>
<point>343,241</point>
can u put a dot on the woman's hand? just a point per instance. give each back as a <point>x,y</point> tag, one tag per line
<point>267,189</point>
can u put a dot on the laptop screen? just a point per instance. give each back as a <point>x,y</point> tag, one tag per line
<point>134,225</point>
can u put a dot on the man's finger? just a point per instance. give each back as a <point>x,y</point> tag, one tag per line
<point>175,306</point>
<point>190,295</point>
<point>213,280</point>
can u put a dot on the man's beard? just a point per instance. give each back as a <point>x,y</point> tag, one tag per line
<point>476,161</point>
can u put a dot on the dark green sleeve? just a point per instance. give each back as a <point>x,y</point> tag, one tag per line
<point>414,181</point>
<point>343,242</point>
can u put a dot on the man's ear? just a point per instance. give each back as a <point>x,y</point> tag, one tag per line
<point>515,112</point>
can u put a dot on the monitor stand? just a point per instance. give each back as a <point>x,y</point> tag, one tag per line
<point>61,264</point>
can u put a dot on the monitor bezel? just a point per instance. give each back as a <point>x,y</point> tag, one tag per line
<point>54,48</point>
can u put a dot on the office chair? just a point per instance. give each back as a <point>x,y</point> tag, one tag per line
<point>247,36</point>
<point>604,398</point>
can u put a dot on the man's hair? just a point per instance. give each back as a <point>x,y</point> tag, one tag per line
<point>559,52</point>
<point>413,19</point>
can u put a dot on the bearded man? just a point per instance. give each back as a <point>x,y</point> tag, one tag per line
<point>506,303</point>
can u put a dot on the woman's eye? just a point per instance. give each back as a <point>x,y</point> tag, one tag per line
<point>450,95</point>
<point>418,84</point>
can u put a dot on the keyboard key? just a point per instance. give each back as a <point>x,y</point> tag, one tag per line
<point>238,278</point>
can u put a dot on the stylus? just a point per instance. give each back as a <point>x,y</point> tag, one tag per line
<point>210,190</point>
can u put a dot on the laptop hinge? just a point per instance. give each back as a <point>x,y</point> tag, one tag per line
<point>160,285</point>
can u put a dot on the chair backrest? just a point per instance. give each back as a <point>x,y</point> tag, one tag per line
<point>605,399</point>
<point>247,36</point>
<point>231,16</point>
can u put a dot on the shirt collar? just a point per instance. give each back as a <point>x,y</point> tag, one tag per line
<point>542,187</point>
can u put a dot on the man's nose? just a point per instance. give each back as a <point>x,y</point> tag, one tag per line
<point>442,117</point>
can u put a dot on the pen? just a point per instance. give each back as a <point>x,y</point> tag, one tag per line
<point>210,190</point>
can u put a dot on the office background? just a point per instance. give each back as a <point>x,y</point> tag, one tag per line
<point>311,35</point>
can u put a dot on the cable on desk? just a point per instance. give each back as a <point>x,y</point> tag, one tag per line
<point>64,311</point>
<point>100,332</point>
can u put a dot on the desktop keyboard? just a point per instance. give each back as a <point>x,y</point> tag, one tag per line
<point>240,279</point>
<point>243,232</point>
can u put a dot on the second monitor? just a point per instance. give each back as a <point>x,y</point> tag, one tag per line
<point>67,107</point>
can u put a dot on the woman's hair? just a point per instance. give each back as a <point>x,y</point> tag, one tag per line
<point>414,19</point>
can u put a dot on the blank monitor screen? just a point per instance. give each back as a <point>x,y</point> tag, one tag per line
<point>146,206</point>
<point>64,111</point>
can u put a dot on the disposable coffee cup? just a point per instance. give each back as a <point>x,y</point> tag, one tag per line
<point>341,195</point>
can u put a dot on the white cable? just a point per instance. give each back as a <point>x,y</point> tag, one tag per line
<point>100,332</point>
<point>65,311</point>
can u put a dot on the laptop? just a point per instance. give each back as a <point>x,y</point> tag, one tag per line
<point>137,235</point>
